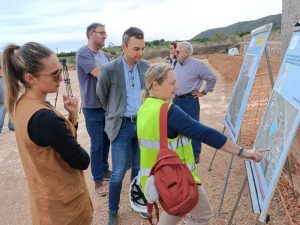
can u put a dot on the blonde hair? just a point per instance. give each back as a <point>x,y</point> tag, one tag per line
<point>157,72</point>
<point>18,60</point>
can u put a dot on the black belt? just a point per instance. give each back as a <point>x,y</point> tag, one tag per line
<point>183,96</point>
<point>131,119</point>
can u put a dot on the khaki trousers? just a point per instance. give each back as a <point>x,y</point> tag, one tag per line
<point>199,215</point>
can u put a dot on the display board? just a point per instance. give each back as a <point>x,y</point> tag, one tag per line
<point>237,106</point>
<point>277,128</point>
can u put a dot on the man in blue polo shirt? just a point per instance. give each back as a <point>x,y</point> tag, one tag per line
<point>191,73</point>
<point>89,60</point>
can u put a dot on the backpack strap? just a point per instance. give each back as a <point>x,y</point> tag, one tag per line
<point>163,125</point>
<point>150,209</point>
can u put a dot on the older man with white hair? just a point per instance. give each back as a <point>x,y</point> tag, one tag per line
<point>191,73</point>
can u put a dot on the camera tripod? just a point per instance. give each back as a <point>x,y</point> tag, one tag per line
<point>65,74</point>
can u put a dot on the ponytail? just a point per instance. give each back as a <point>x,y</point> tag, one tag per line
<point>12,80</point>
<point>16,62</point>
<point>145,94</point>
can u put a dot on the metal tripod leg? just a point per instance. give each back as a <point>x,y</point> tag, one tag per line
<point>215,153</point>
<point>290,173</point>
<point>225,185</point>
<point>237,201</point>
<point>269,66</point>
<point>67,82</point>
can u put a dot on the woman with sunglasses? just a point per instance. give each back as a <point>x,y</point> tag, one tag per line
<point>52,159</point>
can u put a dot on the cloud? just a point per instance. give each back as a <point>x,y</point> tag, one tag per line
<point>62,21</point>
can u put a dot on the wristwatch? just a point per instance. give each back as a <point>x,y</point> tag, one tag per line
<point>241,151</point>
<point>203,92</point>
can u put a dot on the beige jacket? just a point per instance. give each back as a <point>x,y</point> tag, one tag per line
<point>58,193</point>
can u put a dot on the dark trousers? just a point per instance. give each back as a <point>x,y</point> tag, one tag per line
<point>191,106</point>
<point>95,123</point>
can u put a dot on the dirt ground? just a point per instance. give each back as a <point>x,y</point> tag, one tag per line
<point>15,209</point>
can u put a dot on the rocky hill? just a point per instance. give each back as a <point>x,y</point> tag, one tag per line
<point>240,27</point>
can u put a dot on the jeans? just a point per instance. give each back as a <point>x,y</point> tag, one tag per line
<point>2,117</point>
<point>95,122</point>
<point>191,106</point>
<point>124,148</point>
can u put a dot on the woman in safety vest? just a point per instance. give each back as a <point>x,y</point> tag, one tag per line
<point>161,87</point>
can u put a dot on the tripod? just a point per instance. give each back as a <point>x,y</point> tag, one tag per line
<point>67,80</point>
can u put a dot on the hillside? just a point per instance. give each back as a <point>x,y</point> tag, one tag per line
<point>241,27</point>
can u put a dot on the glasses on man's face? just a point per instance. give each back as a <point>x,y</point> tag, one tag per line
<point>103,33</point>
<point>55,74</point>
<point>177,52</point>
<point>131,78</point>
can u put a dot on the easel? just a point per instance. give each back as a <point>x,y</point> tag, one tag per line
<point>231,159</point>
<point>263,218</point>
<point>66,77</point>
<point>261,29</point>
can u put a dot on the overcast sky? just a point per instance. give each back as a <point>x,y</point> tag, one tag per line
<point>61,24</point>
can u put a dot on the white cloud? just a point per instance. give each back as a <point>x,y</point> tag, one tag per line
<point>62,21</point>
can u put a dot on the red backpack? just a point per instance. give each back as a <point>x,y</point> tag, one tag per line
<point>178,192</point>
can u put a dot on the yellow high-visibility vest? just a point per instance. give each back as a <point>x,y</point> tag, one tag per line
<point>148,135</point>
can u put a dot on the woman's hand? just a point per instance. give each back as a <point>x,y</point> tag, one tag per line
<point>252,154</point>
<point>71,105</point>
